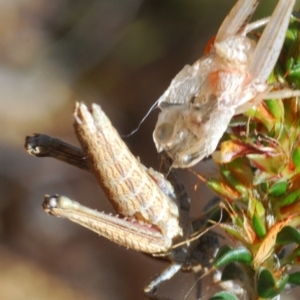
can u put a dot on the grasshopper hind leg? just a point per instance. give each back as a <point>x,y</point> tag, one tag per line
<point>167,274</point>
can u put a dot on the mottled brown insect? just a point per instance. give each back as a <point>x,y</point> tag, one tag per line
<point>153,214</point>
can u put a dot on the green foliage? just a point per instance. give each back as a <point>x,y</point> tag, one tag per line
<point>259,180</point>
<point>233,255</point>
<point>224,296</point>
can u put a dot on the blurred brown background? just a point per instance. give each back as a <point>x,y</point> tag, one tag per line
<point>122,55</point>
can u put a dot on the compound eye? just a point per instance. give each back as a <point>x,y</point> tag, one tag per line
<point>188,160</point>
<point>164,132</point>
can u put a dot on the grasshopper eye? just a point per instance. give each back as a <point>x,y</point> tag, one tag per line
<point>188,159</point>
<point>164,132</point>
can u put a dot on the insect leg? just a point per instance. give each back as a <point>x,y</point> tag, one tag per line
<point>124,180</point>
<point>42,145</point>
<point>256,24</point>
<point>237,19</point>
<point>172,175</point>
<point>123,231</point>
<point>284,93</point>
<point>165,275</point>
<point>270,43</point>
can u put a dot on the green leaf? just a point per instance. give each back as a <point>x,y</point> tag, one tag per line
<point>263,115</point>
<point>264,186</point>
<point>294,278</point>
<point>291,198</point>
<point>288,235</point>
<point>235,231</point>
<point>289,63</point>
<point>238,271</point>
<point>240,254</point>
<point>258,226</point>
<point>275,108</point>
<point>222,189</point>
<point>278,189</point>
<point>223,250</point>
<point>231,271</point>
<point>259,209</point>
<point>233,181</point>
<point>223,296</point>
<point>296,157</point>
<point>267,286</point>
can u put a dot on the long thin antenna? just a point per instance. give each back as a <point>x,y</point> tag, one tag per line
<point>155,105</point>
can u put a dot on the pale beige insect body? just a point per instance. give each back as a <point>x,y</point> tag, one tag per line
<point>201,100</point>
<point>134,192</point>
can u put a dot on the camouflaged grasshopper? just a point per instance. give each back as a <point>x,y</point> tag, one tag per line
<point>152,214</point>
<point>201,100</point>
<point>196,110</point>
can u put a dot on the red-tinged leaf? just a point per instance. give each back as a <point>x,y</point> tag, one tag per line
<point>222,189</point>
<point>268,243</point>
<point>262,113</point>
<point>231,150</point>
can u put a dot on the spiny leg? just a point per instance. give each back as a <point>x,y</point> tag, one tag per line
<point>135,235</point>
<point>46,146</point>
<point>41,145</point>
<point>127,185</point>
